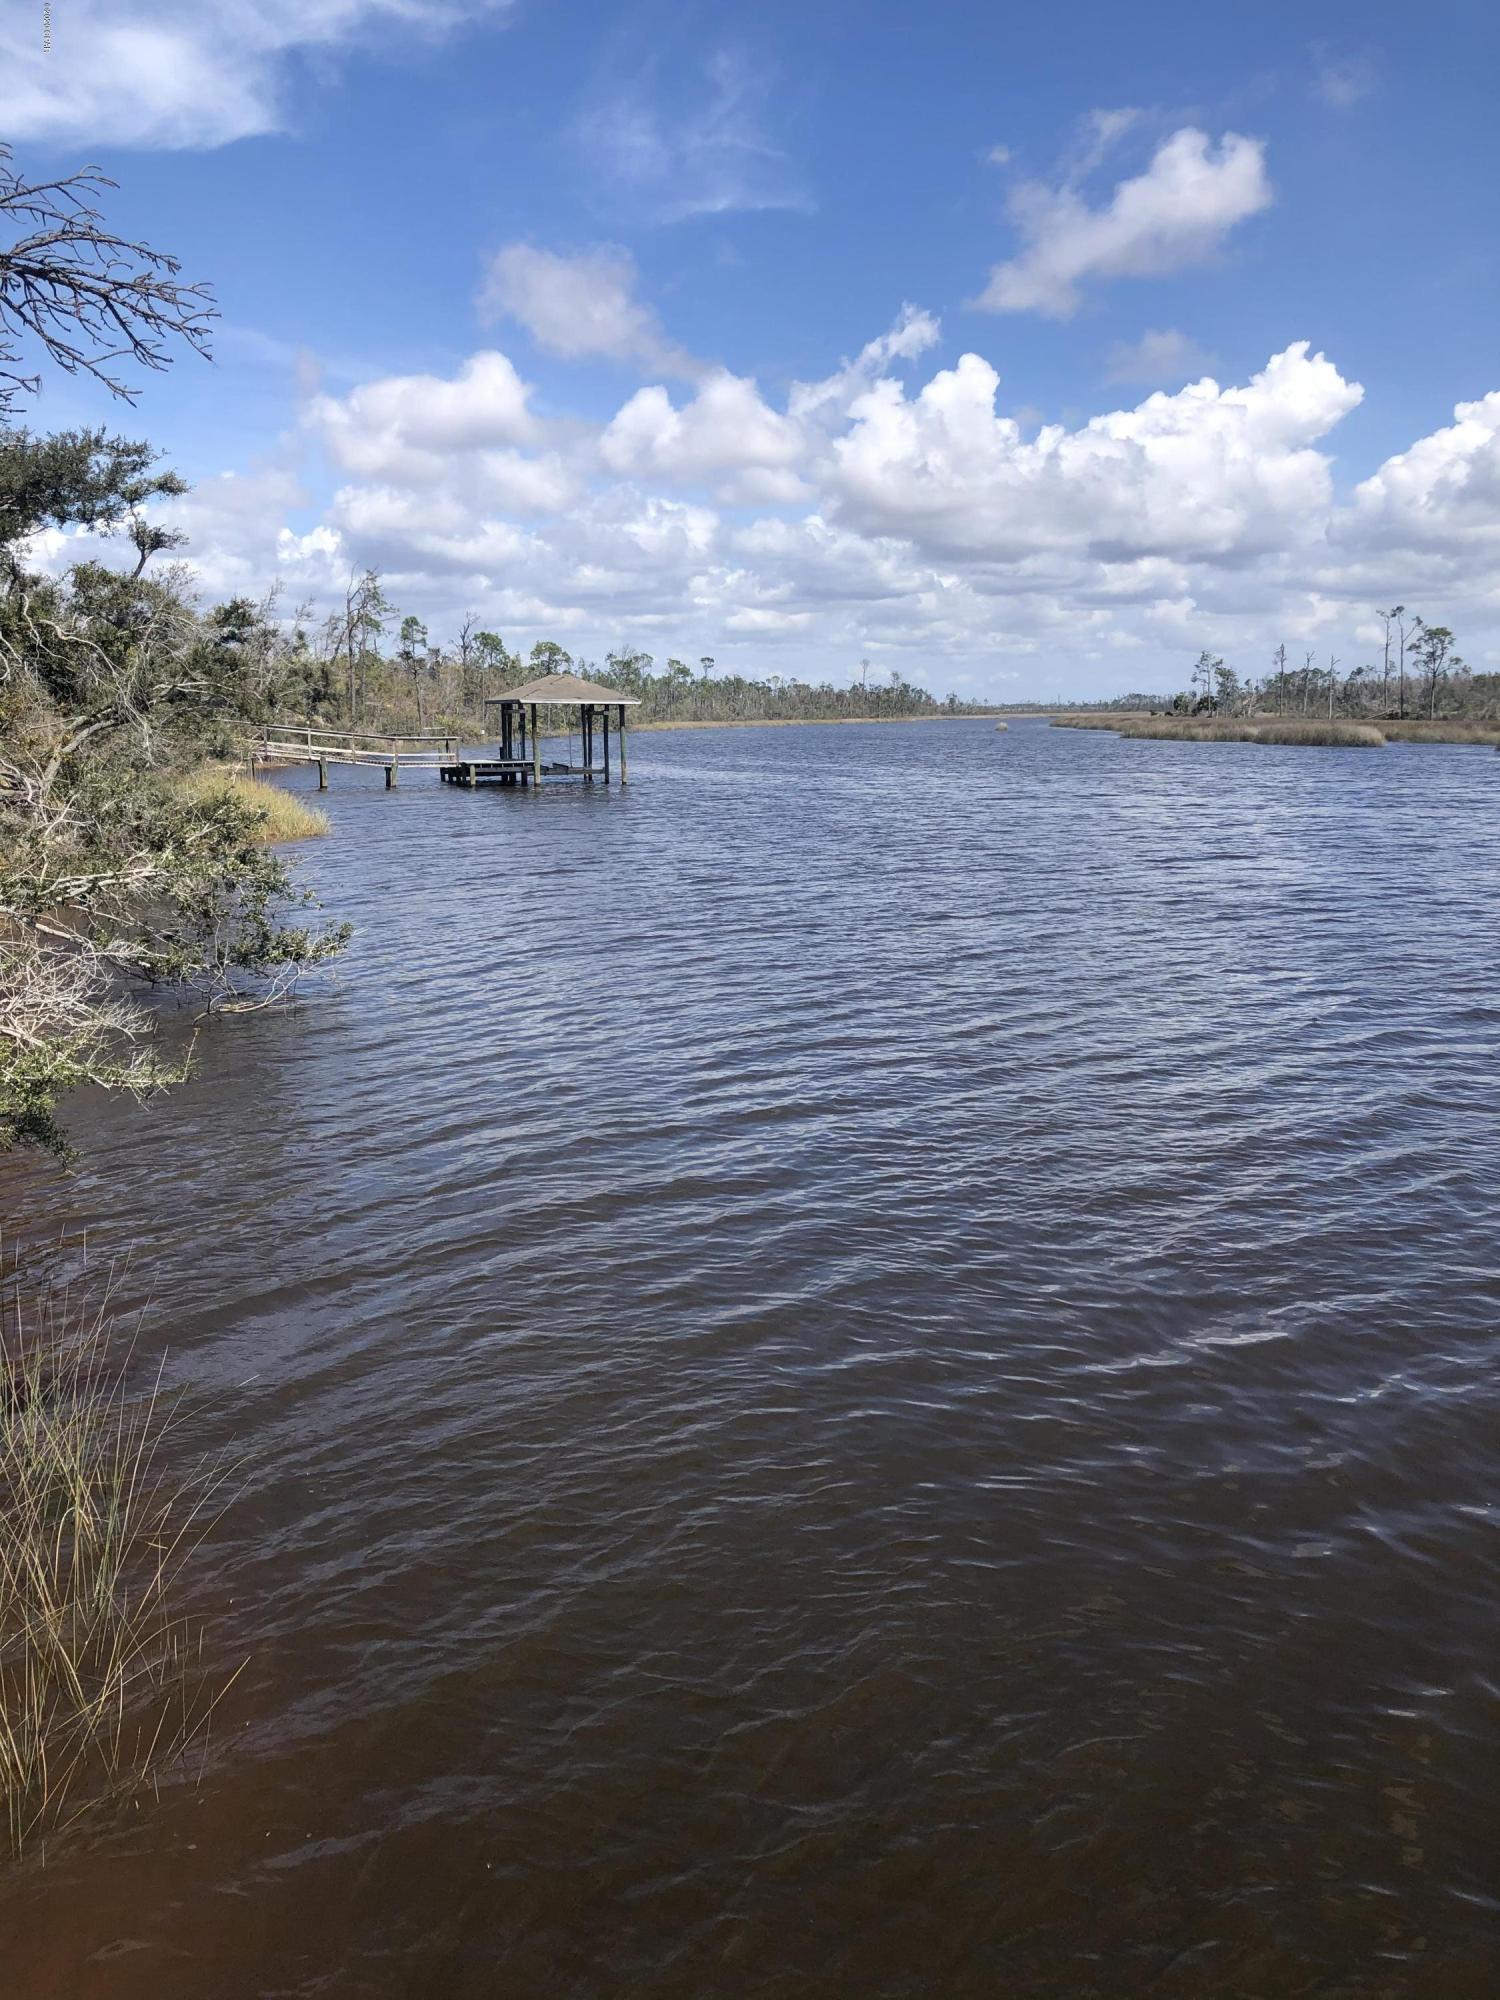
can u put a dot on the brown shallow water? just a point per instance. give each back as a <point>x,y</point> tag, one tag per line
<point>866,1370</point>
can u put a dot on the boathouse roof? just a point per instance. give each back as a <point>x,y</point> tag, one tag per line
<point>566,689</point>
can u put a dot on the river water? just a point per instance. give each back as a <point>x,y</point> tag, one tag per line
<point>866,1369</point>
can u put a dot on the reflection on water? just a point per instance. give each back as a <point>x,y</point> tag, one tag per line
<point>867,1369</point>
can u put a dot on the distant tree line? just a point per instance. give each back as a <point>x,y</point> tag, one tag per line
<point>1420,674</point>
<point>365,666</point>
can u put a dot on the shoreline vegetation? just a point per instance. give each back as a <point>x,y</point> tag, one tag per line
<point>102,1690</point>
<point>280,816</point>
<point>1422,691</point>
<point>1309,731</point>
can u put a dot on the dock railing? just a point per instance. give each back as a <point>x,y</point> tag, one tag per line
<point>307,743</point>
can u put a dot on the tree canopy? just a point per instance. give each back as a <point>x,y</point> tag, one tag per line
<point>116,876</point>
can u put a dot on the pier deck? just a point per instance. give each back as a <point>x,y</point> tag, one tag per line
<point>512,770</point>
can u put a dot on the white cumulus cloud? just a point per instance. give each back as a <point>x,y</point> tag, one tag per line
<point>1444,489</point>
<point>912,334</point>
<point>1208,471</point>
<point>727,434</point>
<point>580,305</point>
<point>1175,214</point>
<point>183,72</point>
<point>409,426</point>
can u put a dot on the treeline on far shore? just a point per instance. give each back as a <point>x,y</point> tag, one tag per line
<point>1419,677</point>
<point>366,667</point>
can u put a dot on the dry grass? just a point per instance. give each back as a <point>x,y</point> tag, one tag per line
<point>1300,730</point>
<point>100,1690</point>
<point>283,815</point>
<point>1308,729</point>
<point>1103,718</point>
<point>1328,735</point>
<point>1414,730</point>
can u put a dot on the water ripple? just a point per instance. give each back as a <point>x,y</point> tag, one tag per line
<point>867,1369</point>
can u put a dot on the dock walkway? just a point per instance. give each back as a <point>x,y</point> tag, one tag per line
<point>281,743</point>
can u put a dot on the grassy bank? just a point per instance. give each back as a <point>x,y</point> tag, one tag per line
<point>1307,729</point>
<point>283,815</point>
<point>99,1689</point>
<point>1297,730</point>
<point>1103,718</point>
<point>1479,733</point>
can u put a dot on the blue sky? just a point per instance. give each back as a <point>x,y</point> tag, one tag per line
<point>680,326</point>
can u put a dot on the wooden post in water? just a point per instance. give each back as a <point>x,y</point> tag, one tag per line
<point>604,718</point>
<point>622,743</point>
<point>393,772</point>
<point>536,748</point>
<point>322,774</point>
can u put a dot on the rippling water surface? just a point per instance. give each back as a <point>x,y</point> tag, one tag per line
<point>867,1369</point>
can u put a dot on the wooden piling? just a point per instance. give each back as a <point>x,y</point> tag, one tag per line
<point>536,748</point>
<point>622,743</point>
<point>322,774</point>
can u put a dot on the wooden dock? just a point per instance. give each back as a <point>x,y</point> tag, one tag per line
<point>518,758</point>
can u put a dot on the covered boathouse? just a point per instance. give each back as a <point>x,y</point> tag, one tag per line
<point>519,758</point>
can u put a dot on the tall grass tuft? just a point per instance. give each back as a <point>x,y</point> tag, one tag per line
<point>282,814</point>
<point>101,1686</point>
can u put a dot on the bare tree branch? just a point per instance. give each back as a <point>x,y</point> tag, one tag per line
<point>88,297</point>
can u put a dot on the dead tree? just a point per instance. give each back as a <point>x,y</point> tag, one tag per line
<point>85,296</point>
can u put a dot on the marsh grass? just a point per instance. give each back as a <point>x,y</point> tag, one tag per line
<point>1309,729</point>
<point>1301,730</point>
<point>101,1685</point>
<point>282,814</point>
<point>1414,730</point>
